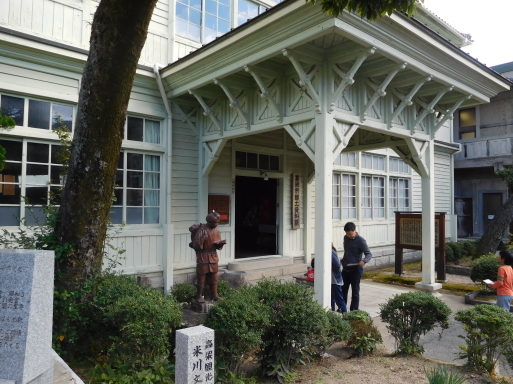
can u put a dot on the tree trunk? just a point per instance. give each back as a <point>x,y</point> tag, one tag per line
<point>496,229</point>
<point>118,34</point>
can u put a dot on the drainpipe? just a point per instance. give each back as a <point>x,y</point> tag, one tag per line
<point>167,225</point>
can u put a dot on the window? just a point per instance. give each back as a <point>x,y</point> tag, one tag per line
<point>373,197</point>
<point>257,161</point>
<point>375,162</point>
<point>399,194</point>
<point>137,189</point>
<point>467,123</point>
<point>43,180</point>
<point>139,129</point>
<point>202,25</point>
<point>346,159</point>
<point>344,196</point>
<point>41,114</point>
<point>248,10</point>
<point>397,165</point>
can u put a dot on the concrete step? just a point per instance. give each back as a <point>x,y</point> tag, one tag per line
<point>277,272</point>
<point>256,264</point>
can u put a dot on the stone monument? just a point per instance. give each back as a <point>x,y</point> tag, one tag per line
<point>194,355</point>
<point>26,308</point>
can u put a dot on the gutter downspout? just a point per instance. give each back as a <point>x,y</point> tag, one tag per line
<point>168,226</point>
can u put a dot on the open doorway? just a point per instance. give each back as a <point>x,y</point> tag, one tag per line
<point>255,217</point>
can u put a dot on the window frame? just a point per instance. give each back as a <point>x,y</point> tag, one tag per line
<point>398,207</point>
<point>364,198</point>
<point>338,188</point>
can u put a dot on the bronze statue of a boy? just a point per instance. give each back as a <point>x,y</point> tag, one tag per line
<point>206,240</point>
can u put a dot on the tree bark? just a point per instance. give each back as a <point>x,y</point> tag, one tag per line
<point>118,35</point>
<point>496,229</point>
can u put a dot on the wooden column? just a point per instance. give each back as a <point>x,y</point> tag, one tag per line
<point>323,196</point>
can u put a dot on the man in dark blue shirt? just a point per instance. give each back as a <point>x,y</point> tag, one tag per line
<point>354,247</point>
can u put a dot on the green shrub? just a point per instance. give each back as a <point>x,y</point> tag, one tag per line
<point>457,250</point>
<point>339,327</point>
<point>364,338</point>
<point>298,326</point>
<point>131,323</point>
<point>489,333</point>
<point>484,267</point>
<point>470,247</point>
<point>157,373</point>
<point>183,293</point>
<point>411,315</point>
<point>357,315</point>
<point>449,254</point>
<point>239,322</point>
<point>440,375</point>
<point>224,289</point>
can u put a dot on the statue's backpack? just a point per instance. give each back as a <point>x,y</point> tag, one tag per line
<point>193,229</point>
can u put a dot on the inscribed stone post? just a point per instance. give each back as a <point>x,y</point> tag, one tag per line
<point>26,307</point>
<point>195,356</point>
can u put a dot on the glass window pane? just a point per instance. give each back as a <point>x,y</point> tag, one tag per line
<point>263,162</point>
<point>11,193</point>
<point>65,112</point>
<point>55,154</point>
<point>134,128</point>
<point>151,198</point>
<point>35,216</point>
<point>134,179</point>
<point>195,4</point>
<point>9,215</point>
<point>14,107</point>
<point>152,131</point>
<point>240,159</point>
<point>252,160</point>
<point>211,7</point>
<point>152,163</point>
<point>336,213</point>
<point>209,35</point>
<point>134,215</point>
<point>38,153</point>
<point>182,27</point>
<point>116,215</point>
<point>223,26</point>
<point>243,6</point>
<point>211,22</point>
<point>224,12</point>
<point>134,160</point>
<point>39,114</point>
<point>121,161</point>
<point>56,176</point>
<point>182,13</point>
<point>118,194</point>
<point>13,149</point>
<point>36,195</point>
<point>119,178</point>
<point>151,215</point>
<point>134,197</point>
<point>194,18</point>
<point>275,163</point>
<point>152,180</point>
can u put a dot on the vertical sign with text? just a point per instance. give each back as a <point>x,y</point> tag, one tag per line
<point>296,201</point>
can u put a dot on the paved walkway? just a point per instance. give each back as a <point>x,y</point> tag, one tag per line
<point>445,349</point>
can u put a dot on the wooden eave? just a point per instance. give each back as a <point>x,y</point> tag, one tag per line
<point>296,24</point>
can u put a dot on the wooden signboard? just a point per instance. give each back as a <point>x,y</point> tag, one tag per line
<point>296,202</point>
<point>408,234</point>
<point>220,204</point>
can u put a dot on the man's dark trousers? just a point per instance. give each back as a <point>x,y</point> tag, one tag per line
<point>352,278</point>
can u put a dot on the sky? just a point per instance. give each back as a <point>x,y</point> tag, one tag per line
<point>489,22</point>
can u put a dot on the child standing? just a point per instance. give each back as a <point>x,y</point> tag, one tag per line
<point>504,283</point>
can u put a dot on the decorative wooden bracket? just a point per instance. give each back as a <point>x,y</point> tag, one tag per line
<point>407,99</point>
<point>264,92</point>
<point>343,137</point>
<point>213,150</point>
<point>301,139</point>
<point>429,108</point>
<point>305,80</point>
<point>449,115</point>
<point>380,91</point>
<point>207,111</point>
<point>348,78</point>
<point>417,155</point>
<point>186,118</point>
<point>233,102</point>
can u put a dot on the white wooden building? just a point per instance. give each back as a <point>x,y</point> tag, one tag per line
<point>356,113</point>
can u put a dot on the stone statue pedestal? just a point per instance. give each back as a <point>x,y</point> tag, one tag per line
<point>201,307</point>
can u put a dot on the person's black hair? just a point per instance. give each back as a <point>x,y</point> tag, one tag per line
<point>507,256</point>
<point>312,263</point>
<point>350,226</point>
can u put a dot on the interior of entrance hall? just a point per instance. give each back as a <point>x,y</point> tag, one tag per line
<point>255,216</point>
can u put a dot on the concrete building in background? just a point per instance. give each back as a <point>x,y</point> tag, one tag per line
<point>287,121</point>
<point>486,135</point>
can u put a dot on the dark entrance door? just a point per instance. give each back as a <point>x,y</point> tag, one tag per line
<point>492,203</point>
<point>463,210</point>
<point>255,216</point>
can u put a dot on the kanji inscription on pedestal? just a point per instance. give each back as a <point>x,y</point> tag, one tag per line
<point>195,356</point>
